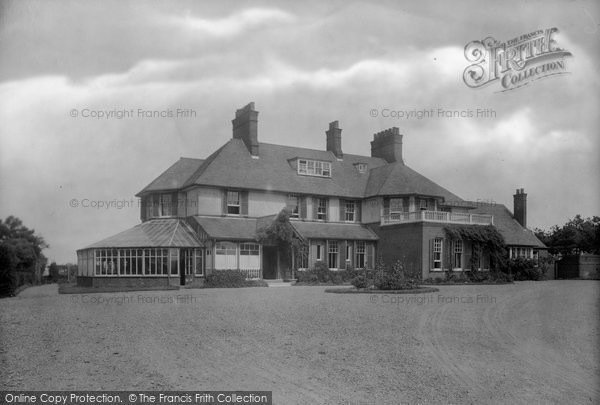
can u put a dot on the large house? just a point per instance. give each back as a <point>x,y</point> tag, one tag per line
<point>202,215</point>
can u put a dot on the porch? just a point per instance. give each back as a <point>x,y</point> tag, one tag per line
<point>437,216</point>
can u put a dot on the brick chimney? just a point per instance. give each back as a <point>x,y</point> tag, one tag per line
<point>334,139</point>
<point>388,145</point>
<point>520,207</point>
<point>245,127</point>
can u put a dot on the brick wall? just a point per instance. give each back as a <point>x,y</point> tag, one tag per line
<point>579,266</point>
<point>401,242</point>
<point>123,281</point>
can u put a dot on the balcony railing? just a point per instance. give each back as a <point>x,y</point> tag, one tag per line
<point>437,216</point>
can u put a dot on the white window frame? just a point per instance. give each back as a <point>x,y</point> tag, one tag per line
<point>349,250</point>
<point>457,252</point>
<point>362,167</point>
<point>293,204</point>
<point>438,251</point>
<point>333,254</point>
<point>396,205</point>
<point>314,168</point>
<point>230,251</point>
<point>361,254</point>
<point>233,203</point>
<point>350,211</point>
<point>322,209</point>
<point>319,251</point>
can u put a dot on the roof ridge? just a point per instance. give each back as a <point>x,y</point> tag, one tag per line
<point>205,163</point>
<point>174,232</point>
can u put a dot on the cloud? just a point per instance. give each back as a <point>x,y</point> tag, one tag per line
<point>232,25</point>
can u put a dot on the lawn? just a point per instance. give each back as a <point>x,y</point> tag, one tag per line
<point>527,342</point>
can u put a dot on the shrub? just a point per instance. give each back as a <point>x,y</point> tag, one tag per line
<point>393,278</point>
<point>477,276</point>
<point>322,272</point>
<point>231,279</point>
<point>362,281</point>
<point>307,276</point>
<point>525,269</point>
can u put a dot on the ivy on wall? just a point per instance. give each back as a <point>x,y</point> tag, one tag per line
<point>484,239</point>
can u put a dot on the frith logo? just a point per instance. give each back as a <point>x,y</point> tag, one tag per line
<point>514,63</point>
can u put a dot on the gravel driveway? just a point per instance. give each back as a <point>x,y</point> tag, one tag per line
<point>531,342</point>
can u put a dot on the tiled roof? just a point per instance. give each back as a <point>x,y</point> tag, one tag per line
<point>175,176</point>
<point>514,234</point>
<point>169,232</point>
<point>232,166</point>
<point>320,230</point>
<point>228,227</point>
<point>397,178</point>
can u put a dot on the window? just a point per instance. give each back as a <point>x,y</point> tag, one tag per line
<point>292,205</point>
<point>166,205</point>
<point>481,258</point>
<point>319,252</point>
<point>438,245</point>
<point>396,205</point>
<point>458,250</point>
<point>348,253</point>
<point>199,262</point>
<point>187,256</point>
<point>422,203</point>
<point>156,262</point>
<point>174,262</point>
<point>361,254</point>
<point>314,168</point>
<point>225,256</point>
<point>136,262</point>
<point>233,203</point>
<point>524,253</point>
<point>333,252</point>
<point>322,209</point>
<point>302,257</point>
<point>362,167</point>
<point>350,209</point>
<point>249,256</point>
<point>106,262</point>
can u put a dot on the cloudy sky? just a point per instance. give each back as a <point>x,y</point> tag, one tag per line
<point>304,64</point>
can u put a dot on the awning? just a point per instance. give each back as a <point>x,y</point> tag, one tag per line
<point>168,232</point>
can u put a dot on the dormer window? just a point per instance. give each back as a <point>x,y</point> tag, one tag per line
<point>314,168</point>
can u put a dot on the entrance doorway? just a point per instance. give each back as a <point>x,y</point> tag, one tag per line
<point>269,262</point>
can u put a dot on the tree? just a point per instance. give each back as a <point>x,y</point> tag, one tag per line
<point>21,251</point>
<point>578,235</point>
<point>8,266</point>
<point>53,271</point>
<point>281,232</point>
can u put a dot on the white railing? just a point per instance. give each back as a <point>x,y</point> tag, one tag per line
<point>437,216</point>
<point>251,274</point>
